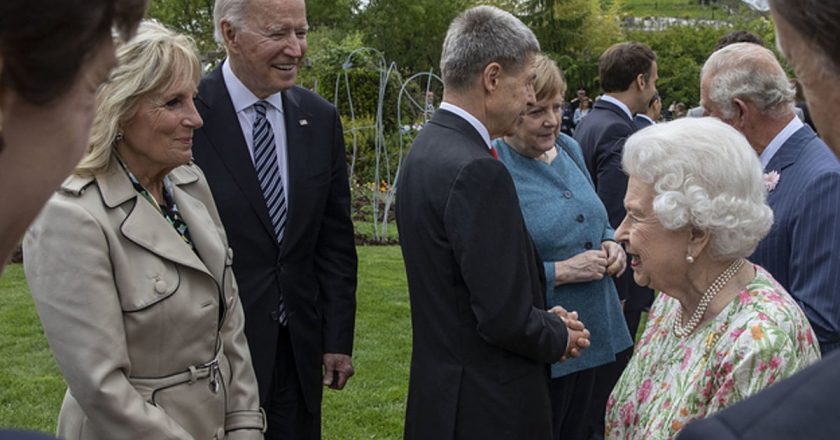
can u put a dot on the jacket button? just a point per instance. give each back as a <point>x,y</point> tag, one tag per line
<point>588,245</point>
<point>230,256</point>
<point>580,218</point>
<point>160,286</point>
<point>567,194</point>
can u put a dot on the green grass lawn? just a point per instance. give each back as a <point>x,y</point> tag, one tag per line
<point>370,407</point>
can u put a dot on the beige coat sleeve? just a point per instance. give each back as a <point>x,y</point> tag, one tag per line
<point>70,276</point>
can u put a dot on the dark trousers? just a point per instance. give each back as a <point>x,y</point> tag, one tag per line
<point>288,417</point>
<point>570,405</point>
<point>606,376</point>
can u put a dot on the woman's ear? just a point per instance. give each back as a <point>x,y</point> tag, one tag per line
<point>698,239</point>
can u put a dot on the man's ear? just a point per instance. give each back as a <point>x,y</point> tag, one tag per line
<point>742,113</point>
<point>641,82</point>
<point>228,32</point>
<point>491,76</point>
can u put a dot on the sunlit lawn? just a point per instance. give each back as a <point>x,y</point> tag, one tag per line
<point>371,407</point>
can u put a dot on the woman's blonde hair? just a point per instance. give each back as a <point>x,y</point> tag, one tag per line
<point>153,60</point>
<point>549,80</point>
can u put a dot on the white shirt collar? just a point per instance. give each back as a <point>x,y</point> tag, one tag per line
<point>644,116</point>
<point>242,97</point>
<point>479,127</point>
<point>773,147</point>
<point>620,105</point>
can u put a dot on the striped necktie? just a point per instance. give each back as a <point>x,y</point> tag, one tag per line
<point>271,182</point>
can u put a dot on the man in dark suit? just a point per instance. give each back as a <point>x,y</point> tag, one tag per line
<point>628,76</point>
<point>744,85</point>
<point>651,114</point>
<point>274,155</point>
<point>805,404</point>
<point>482,339</point>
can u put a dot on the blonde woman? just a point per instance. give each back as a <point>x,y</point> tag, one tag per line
<point>131,272</point>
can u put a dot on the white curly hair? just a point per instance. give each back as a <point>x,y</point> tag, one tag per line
<point>704,174</point>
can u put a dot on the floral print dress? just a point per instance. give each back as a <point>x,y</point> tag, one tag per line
<point>761,337</point>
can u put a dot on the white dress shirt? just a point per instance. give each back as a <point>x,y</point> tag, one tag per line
<point>620,105</point>
<point>482,130</point>
<point>773,147</point>
<point>243,103</point>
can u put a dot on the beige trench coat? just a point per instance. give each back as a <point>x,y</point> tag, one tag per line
<point>149,335</point>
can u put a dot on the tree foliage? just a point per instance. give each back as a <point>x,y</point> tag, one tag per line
<point>409,32</point>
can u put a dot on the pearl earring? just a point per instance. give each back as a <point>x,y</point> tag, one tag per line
<point>689,259</point>
<point>119,137</point>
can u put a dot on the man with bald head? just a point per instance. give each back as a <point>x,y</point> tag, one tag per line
<point>744,85</point>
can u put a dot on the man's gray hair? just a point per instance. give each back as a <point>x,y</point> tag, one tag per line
<point>704,175</point>
<point>480,36</point>
<point>750,72</point>
<point>231,10</point>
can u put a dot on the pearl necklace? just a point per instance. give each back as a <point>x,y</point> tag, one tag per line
<point>710,293</point>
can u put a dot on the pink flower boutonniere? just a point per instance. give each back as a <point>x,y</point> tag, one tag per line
<point>771,179</point>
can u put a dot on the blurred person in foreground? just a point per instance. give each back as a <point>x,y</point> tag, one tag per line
<point>143,314</point>
<point>721,328</point>
<point>572,234</point>
<point>805,405</point>
<point>744,85</point>
<point>53,55</point>
<point>482,337</point>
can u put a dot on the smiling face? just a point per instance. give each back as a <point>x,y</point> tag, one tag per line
<point>656,255</point>
<point>158,138</point>
<point>537,129</point>
<point>266,51</point>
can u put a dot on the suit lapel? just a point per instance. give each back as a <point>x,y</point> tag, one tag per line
<point>787,155</point>
<point>225,136</point>
<point>298,140</point>
<point>144,225</point>
<point>205,235</point>
<point>790,150</point>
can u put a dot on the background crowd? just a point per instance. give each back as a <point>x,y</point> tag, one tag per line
<point>211,289</point>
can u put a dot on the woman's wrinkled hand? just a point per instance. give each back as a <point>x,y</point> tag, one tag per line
<point>616,258</point>
<point>583,267</point>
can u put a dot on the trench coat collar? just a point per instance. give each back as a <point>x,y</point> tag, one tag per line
<point>145,226</point>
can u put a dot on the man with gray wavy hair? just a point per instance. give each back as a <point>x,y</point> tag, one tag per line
<point>744,85</point>
<point>482,338</point>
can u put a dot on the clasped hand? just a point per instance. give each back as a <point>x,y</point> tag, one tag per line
<point>578,334</point>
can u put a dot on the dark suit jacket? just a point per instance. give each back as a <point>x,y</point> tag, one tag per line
<point>481,337</point>
<point>601,135</point>
<point>315,268</point>
<point>801,250</point>
<point>803,406</point>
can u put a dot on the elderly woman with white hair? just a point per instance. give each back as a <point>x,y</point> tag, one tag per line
<point>721,328</point>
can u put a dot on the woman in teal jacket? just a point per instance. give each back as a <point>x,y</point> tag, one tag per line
<point>569,226</point>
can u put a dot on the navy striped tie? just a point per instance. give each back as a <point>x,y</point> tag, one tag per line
<point>271,182</point>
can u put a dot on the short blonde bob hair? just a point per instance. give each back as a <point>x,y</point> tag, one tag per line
<point>549,80</point>
<point>153,60</point>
